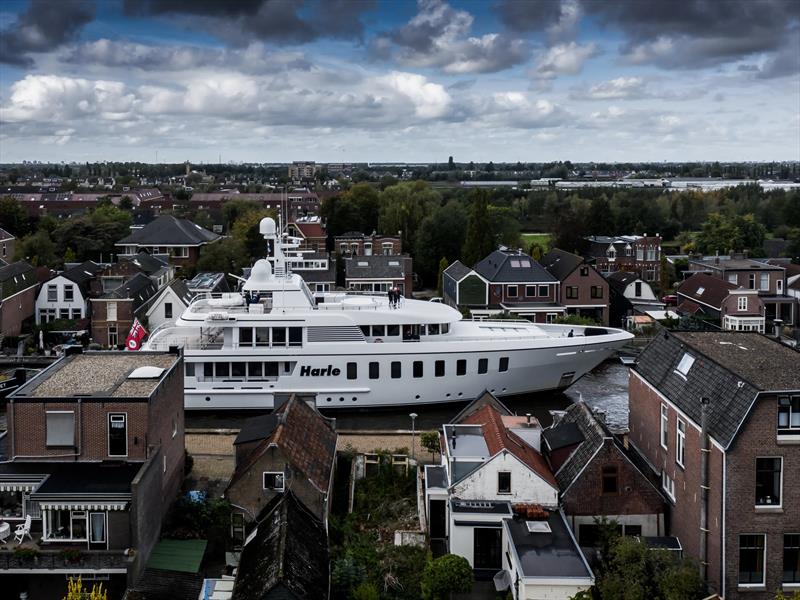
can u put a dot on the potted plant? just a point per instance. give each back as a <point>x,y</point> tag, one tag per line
<point>71,555</point>
<point>25,554</point>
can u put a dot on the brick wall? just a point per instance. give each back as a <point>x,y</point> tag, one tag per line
<point>14,310</point>
<point>584,284</point>
<point>165,416</point>
<point>100,321</point>
<point>758,439</point>
<point>146,513</point>
<point>684,513</point>
<point>635,495</point>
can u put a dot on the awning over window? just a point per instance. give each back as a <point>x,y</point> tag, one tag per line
<point>17,487</point>
<point>84,505</point>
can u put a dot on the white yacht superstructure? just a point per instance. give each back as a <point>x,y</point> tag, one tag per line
<point>351,350</point>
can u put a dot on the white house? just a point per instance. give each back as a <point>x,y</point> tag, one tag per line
<point>66,296</point>
<point>168,304</point>
<point>492,482</point>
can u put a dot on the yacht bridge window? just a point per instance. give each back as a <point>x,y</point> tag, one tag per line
<point>270,336</point>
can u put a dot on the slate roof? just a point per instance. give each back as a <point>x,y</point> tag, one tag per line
<point>83,273</point>
<point>15,277</point>
<point>181,290</point>
<point>286,557</point>
<point>159,584</point>
<point>499,438</point>
<point>730,368</point>
<point>560,263</point>
<point>305,437</point>
<point>257,428</point>
<point>168,230</point>
<point>378,267</point>
<point>619,280</point>
<point>498,267</point>
<point>146,262</point>
<point>5,235</point>
<point>458,270</point>
<point>578,416</point>
<point>715,290</point>
<point>14,269</point>
<point>566,434</point>
<point>139,287</point>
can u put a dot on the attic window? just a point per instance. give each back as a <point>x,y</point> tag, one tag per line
<point>700,291</point>
<point>686,363</point>
<point>538,527</point>
<point>516,263</point>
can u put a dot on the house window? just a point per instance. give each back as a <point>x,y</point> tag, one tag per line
<point>768,481</point>
<point>544,290</point>
<point>167,310</point>
<point>584,271</point>
<point>418,369</point>
<point>76,314</point>
<point>11,505</point>
<point>439,368</point>
<point>60,428</point>
<point>461,367</point>
<point>610,483</point>
<point>686,363</point>
<point>752,548</point>
<point>374,370</point>
<point>751,281</point>
<point>111,311</point>
<point>664,426</point>
<point>680,443</point>
<point>764,283</point>
<point>65,525</point>
<point>504,482</point>
<point>639,253</point>
<point>789,415</point>
<point>352,370</point>
<point>52,293</point>
<point>530,291</point>
<point>668,485</point>
<point>273,481</point>
<point>572,292</point>
<point>118,434</point>
<point>637,289</point>
<point>791,558</point>
<point>69,293</point>
<point>597,291</point>
<point>483,365</point>
<point>63,313</point>
<point>651,253</point>
<point>511,291</point>
<point>113,336</point>
<point>741,303</point>
<point>97,528</point>
<point>503,364</point>
<point>396,370</point>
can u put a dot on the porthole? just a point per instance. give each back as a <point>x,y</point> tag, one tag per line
<point>354,398</point>
<point>460,394</point>
<point>417,397</point>
<point>447,395</point>
<point>208,398</point>
<point>329,399</point>
<point>341,398</point>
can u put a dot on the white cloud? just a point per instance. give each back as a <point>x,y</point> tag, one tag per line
<point>430,100</point>
<point>564,59</point>
<point>619,88</point>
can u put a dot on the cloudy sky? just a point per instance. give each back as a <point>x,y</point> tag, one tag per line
<point>382,80</point>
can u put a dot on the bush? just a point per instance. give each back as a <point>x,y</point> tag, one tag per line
<point>365,591</point>
<point>446,575</point>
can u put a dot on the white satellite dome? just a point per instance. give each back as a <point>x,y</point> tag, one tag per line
<point>267,227</point>
<point>261,271</point>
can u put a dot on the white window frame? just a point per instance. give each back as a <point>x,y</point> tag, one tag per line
<point>780,488</point>
<point>52,292</point>
<point>273,489</point>
<point>733,278</point>
<point>685,365</point>
<point>509,483</point>
<point>664,439</point>
<point>47,531</point>
<point>60,412</point>
<point>763,581</point>
<point>111,415</point>
<point>71,296</point>
<point>509,288</point>
<point>680,442</point>
<point>668,485</point>
<point>764,278</point>
<point>111,309</point>
<point>741,303</point>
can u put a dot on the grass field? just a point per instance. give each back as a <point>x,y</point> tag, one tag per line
<point>543,239</point>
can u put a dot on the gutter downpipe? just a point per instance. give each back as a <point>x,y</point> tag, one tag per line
<point>705,451</point>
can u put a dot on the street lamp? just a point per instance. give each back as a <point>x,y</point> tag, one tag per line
<point>413,435</point>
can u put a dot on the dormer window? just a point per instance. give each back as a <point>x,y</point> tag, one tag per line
<point>741,303</point>
<point>611,252</point>
<point>789,416</point>
<point>686,363</point>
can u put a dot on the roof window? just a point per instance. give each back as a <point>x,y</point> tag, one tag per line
<point>686,363</point>
<point>700,291</point>
<point>538,527</point>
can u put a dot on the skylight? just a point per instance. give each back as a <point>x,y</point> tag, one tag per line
<point>538,527</point>
<point>686,363</point>
<point>700,291</point>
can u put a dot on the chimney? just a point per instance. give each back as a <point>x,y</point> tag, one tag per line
<point>528,415</point>
<point>777,324</point>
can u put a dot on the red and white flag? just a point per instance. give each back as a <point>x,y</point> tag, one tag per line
<point>135,336</point>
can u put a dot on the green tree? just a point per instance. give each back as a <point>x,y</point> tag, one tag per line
<point>793,247</point>
<point>430,441</point>
<point>246,230</point>
<point>731,234</point>
<point>38,249</point>
<point>441,234</point>
<point>445,576</point>
<point>365,591</point>
<point>479,241</point>
<point>403,208</point>
<point>443,264</point>
<point>13,217</point>
<point>536,251</point>
<point>225,256</point>
<point>69,255</point>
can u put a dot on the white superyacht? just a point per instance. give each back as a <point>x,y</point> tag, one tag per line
<point>352,350</point>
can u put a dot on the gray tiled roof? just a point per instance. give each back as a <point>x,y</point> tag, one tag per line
<point>560,263</point>
<point>592,432</point>
<point>730,368</point>
<point>167,230</point>
<point>377,266</point>
<point>715,290</point>
<point>497,267</point>
<point>457,270</point>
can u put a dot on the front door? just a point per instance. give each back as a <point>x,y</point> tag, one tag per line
<point>98,534</point>
<point>487,548</point>
<point>438,517</point>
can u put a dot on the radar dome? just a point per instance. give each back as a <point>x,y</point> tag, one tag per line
<point>267,227</point>
<point>261,271</point>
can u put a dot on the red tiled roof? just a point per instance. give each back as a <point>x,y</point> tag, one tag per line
<point>310,230</point>
<point>715,290</point>
<point>499,438</point>
<point>305,437</point>
<point>687,306</point>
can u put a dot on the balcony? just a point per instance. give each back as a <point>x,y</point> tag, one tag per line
<point>30,557</point>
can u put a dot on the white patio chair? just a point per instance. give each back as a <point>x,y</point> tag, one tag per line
<point>23,530</point>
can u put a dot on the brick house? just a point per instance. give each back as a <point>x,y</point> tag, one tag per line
<point>746,387</point>
<point>18,286</point>
<point>8,246</point>
<point>377,273</point>
<point>640,254</point>
<point>311,232</point>
<point>293,447</point>
<point>510,281</point>
<point>355,243</point>
<point>599,477</point>
<point>703,295</point>
<point>768,279</point>
<point>113,312</point>
<point>290,205</point>
<point>178,240</point>
<point>630,295</point>
<point>94,457</point>
<point>583,291</point>
<point>743,310</point>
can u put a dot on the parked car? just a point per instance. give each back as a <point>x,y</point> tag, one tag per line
<point>670,300</point>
